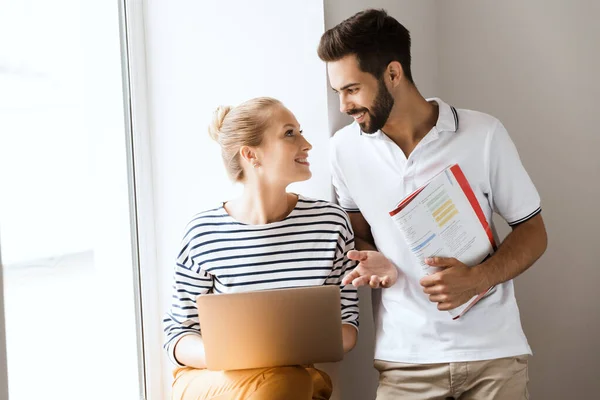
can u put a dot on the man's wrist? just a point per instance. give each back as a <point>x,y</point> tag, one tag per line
<point>482,281</point>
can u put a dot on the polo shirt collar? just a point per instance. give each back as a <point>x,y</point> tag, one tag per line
<point>447,118</point>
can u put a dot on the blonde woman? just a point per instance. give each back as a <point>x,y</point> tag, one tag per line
<point>265,239</point>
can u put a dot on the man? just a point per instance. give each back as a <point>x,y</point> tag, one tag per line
<point>397,142</point>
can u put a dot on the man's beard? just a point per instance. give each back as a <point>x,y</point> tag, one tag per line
<point>381,109</point>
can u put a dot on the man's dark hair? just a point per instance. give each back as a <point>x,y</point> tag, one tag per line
<point>374,37</point>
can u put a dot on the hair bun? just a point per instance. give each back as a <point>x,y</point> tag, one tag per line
<point>217,121</point>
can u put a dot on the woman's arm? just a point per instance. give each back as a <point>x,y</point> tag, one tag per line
<point>183,342</point>
<point>348,293</point>
<point>189,350</point>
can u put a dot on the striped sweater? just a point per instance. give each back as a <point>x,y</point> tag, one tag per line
<point>221,255</point>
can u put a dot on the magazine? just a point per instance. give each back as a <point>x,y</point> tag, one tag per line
<point>443,218</point>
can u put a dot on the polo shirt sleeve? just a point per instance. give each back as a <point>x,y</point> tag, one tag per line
<point>337,179</point>
<point>512,193</point>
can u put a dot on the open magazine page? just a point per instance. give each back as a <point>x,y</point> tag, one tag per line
<point>439,219</point>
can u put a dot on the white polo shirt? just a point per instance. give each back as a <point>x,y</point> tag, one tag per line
<point>371,174</point>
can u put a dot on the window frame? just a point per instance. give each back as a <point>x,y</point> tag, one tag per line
<point>139,166</point>
<point>3,359</point>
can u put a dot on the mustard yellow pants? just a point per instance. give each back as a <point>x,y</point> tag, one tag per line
<point>281,383</point>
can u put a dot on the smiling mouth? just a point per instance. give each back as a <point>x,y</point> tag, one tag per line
<point>359,117</point>
<point>303,161</point>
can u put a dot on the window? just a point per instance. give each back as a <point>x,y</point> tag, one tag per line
<point>65,227</point>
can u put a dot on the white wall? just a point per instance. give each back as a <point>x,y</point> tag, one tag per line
<point>535,65</point>
<point>202,54</point>
<point>358,377</point>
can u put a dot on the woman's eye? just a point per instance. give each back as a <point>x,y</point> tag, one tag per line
<point>290,132</point>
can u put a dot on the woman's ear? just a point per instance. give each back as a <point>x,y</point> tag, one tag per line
<point>248,154</point>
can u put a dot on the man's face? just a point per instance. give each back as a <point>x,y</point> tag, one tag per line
<point>362,96</point>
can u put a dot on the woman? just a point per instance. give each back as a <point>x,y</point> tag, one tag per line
<point>265,239</point>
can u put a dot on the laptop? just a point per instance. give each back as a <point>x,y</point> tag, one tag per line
<point>271,328</point>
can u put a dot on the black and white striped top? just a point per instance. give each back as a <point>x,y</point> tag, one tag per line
<point>221,255</point>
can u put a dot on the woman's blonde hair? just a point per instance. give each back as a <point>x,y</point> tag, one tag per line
<point>243,125</point>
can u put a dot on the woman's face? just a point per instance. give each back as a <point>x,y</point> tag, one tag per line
<point>283,153</point>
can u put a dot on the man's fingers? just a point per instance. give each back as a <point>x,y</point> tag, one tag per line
<point>361,281</point>
<point>438,298</point>
<point>374,282</point>
<point>350,277</point>
<point>430,280</point>
<point>357,255</point>
<point>445,306</point>
<point>385,282</point>
<point>435,289</point>
<point>440,261</point>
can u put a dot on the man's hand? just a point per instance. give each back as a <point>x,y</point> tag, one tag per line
<point>454,285</point>
<point>373,269</point>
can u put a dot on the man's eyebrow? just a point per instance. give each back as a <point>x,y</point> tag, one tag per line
<point>348,86</point>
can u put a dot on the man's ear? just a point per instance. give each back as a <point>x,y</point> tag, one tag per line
<point>394,73</point>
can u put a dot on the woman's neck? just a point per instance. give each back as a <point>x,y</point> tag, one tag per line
<point>261,205</point>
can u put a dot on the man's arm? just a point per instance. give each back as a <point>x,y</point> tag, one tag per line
<point>362,232</point>
<point>521,248</point>
<point>457,283</point>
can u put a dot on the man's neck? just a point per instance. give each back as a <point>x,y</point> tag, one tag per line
<point>410,120</point>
